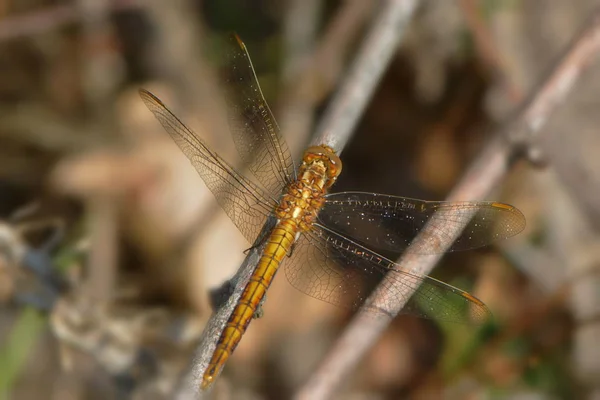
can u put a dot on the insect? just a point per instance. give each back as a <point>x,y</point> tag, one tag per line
<point>334,241</point>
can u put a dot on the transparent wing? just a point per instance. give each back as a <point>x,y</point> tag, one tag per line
<point>390,223</point>
<point>244,202</point>
<point>337,270</point>
<point>255,132</point>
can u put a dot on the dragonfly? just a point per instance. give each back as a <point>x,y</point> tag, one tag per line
<point>333,246</point>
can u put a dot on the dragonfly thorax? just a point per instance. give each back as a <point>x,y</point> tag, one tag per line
<point>301,203</point>
<point>303,198</point>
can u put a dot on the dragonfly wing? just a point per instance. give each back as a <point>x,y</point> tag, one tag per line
<point>244,202</point>
<point>334,269</point>
<point>390,223</point>
<point>255,132</point>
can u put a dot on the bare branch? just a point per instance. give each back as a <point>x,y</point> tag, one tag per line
<point>485,173</point>
<point>357,88</point>
<point>300,31</point>
<point>313,78</point>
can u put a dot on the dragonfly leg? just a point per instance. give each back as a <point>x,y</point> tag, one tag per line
<point>259,241</point>
<point>259,312</point>
<point>249,249</point>
<point>291,251</point>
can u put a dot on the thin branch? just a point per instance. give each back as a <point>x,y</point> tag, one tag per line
<point>376,53</point>
<point>326,65</point>
<point>300,32</point>
<point>365,72</point>
<point>316,76</point>
<point>485,173</point>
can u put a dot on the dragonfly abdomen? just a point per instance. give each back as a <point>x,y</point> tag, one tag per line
<point>278,245</point>
<point>296,211</point>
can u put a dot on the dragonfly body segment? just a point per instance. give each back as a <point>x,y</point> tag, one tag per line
<point>296,213</point>
<point>334,247</point>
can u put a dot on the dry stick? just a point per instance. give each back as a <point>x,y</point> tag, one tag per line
<point>300,31</point>
<point>483,175</point>
<point>360,83</point>
<point>321,70</point>
<point>326,64</point>
<point>376,53</point>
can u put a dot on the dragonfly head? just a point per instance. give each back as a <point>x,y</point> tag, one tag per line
<point>326,156</point>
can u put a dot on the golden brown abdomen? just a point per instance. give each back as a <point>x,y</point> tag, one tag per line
<point>278,245</point>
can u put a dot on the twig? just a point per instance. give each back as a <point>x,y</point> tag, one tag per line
<point>327,62</point>
<point>380,44</point>
<point>321,71</point>
<point>373,58</point>
<point>300,31</point>
<point>484,174</point>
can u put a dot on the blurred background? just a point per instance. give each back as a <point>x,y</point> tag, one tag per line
<point>110,243</point>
